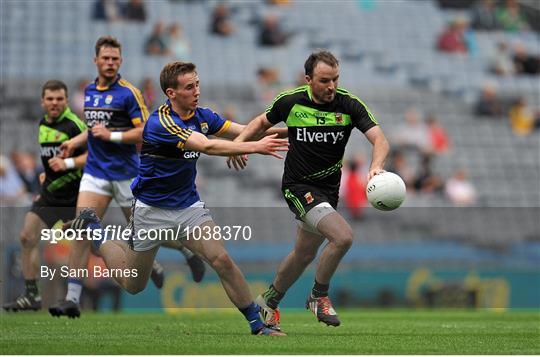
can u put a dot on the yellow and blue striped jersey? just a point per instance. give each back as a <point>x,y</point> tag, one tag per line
<point>167,172</point>
<point>119,107</point>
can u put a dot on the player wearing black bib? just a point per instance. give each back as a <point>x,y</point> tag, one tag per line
<point>59,189</point>
<point>320,117</point>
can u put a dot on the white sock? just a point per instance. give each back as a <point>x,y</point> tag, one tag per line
<point>187,253</point>
<point>74,290</point>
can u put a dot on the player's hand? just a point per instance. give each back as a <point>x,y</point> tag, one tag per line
<point>270,144</point>
<point>101,132</point>
<point>374,171</point>
<point>41,178</point>
<point>67,148</point>
<point>239,162</point>
<point>57,164</point>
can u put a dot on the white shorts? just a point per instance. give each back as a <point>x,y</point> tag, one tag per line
<point>151,226</point>
<point>119,190</point>
<point>312,218</point>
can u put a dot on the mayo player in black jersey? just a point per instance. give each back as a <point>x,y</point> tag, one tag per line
<point>58,191</point>
<point>320,117</point>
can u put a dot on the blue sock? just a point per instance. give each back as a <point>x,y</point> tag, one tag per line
<point>251,313</point>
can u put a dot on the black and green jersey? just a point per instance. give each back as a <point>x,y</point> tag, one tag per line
<point>59,187</point>
<point>318,133</point>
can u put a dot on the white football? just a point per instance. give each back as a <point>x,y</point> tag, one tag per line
<point>386,191</point>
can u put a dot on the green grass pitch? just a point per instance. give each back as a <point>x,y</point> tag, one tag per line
<point>225,332</point>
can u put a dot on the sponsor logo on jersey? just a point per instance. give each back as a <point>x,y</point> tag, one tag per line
<point>309,197</point>
<point>50,151</point>
<point>302,134</point>
<point>94,118</point>
<point>191,155</point>
<point>108,99</point>
<point>204,127</point>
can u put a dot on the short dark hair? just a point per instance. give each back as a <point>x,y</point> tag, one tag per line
<point>319,56</point>
<point>168,77</point>
<point>53,84</point>
<point>107,41</point>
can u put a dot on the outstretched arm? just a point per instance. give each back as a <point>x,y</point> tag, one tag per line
<point>235,129</point>
<point>381,148</point>
<point>269,145</point>
<point>255,129</point>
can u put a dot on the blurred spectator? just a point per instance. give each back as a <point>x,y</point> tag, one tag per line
<point>106,10</point>
<point>522,118</point>
<point>220,23</point>
<point>78,99</point>
<point>156,43</point>
<point>459,190</point>
<point>489,103</point>
<point>502,63</point>
<point>149,93</point>
<point>25,164</point>
<point>412,134</point>
<point>279,2</point>
<point>484,16</point>
<point>177,44</point>
<point>134,10</point>
<point>511,18</point>
<point>271,33</point>
<point>398,164</point>
<point>427,181</point>
<point>438,138</point>
<point>524,62</point>
<point>268,85</point>
<point>354,187</point>
<point>12,191</point>
<point>452,40</point>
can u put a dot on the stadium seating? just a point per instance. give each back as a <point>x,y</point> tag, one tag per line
<point>388,59</point>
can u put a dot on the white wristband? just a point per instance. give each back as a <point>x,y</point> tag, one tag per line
<point>70,163</point>
<point>116,136</point>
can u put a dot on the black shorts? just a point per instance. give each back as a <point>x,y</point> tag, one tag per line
<point>302,198</point>
<point>51,212</point>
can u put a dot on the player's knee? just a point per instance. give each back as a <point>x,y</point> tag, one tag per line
<point>345,241</point>
<point>28,240</point>
<point>222,262</point>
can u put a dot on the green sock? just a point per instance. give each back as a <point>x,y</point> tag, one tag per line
<point>272,297</point>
